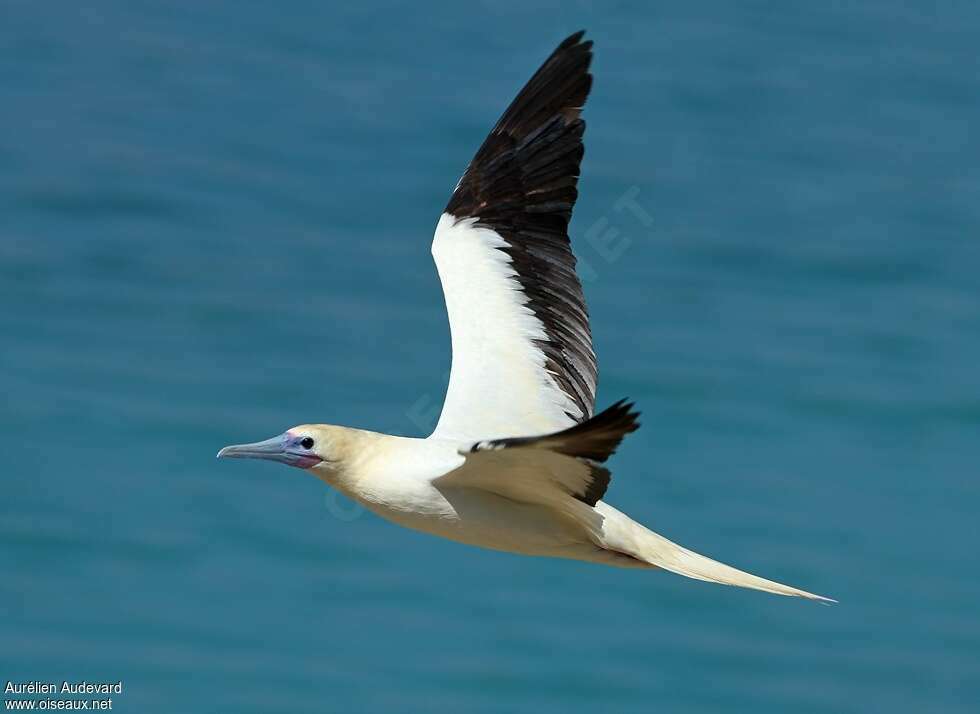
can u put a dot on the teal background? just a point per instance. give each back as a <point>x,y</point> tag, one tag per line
<point>215,223</point>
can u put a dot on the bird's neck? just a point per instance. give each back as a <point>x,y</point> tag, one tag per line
<point>367,465</point>
<point>356,455</point>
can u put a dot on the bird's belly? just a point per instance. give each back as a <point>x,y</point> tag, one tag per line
<point>484,519</point>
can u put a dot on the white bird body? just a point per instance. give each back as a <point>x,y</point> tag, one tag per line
<point>395,477</point>
<point>418,484</point>
<point>515,462</point>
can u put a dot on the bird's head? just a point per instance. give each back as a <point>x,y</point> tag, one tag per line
<point>307,446</point>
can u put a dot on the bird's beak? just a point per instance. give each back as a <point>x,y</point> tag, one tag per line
<point>278,448</point>
<point>272,449</point>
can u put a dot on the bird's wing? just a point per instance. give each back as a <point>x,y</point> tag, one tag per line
<point>522,348</point>
<point>562,470</point>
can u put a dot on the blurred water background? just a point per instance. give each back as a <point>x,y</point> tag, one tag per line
<point>215,223</point>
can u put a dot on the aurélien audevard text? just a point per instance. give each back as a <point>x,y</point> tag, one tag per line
<point>64,687</point>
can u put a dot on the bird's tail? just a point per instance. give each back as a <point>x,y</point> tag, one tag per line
<point>622,534</point>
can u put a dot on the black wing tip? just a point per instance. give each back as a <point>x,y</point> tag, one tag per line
<point>621,414</point>
<point>574,41</point>
<point>560,86</point>
<point>596,439</point>
<point>576,51</point>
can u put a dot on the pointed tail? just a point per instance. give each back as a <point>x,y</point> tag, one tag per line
<point>622,534</point>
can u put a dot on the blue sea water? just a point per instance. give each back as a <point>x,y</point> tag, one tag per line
<point>215,223</point>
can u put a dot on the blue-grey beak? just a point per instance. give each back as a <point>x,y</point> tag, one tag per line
<point>282,448</point>
<point>272,449</point>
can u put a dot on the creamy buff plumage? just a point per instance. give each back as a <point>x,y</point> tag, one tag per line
<point>516,462</point>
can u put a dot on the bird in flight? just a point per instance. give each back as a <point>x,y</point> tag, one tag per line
<point>516,461</point>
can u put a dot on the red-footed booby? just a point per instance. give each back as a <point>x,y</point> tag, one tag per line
<point>516,461</point>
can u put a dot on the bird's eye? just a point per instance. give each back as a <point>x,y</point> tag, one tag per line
<point>307,442</point>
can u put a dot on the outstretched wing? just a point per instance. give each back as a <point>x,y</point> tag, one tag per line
<point>561,470</point>
<point>522,348</point>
